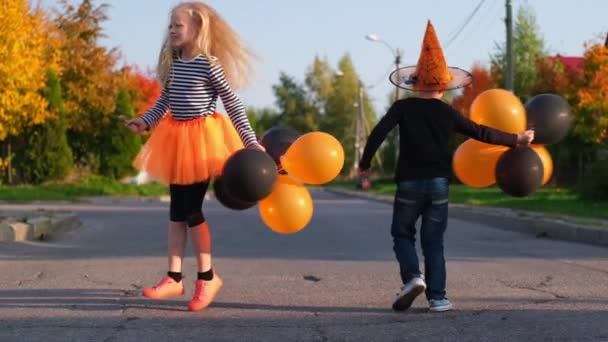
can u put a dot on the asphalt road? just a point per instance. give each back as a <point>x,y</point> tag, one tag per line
<point>333,281</point>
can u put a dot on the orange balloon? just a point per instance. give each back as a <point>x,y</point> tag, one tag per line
<point>545,157</point>
<point>314,158</point>
<point>475,163</point>
<point>500,109</point>
<point>288,208</point>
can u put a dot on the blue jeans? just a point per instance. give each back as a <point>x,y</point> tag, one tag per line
<point>427,198</point>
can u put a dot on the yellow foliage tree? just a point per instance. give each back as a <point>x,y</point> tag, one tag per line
<point>24,55</point>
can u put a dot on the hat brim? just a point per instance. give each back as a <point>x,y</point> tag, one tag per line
<point>402,79</point>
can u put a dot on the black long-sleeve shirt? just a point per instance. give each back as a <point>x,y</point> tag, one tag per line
<point>426,127</point>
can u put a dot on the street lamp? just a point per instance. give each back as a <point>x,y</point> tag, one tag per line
<point>397,55</point>
<point>395,52</point>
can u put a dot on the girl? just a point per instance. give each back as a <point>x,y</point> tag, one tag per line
<point>200,60</point>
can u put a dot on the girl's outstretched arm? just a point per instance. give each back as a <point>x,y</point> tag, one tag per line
<point>153,116</point>
<point>233,104</point>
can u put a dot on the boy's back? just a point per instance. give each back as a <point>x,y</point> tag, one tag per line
<point>426,126</point>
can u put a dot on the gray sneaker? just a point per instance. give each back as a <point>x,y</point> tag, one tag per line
<point>438,305</point>
<point>408,293</point>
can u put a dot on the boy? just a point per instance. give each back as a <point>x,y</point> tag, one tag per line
<point>426,125</point>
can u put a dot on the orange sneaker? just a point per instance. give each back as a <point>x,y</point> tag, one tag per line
<point>167,288</point>
<point>204,293</point>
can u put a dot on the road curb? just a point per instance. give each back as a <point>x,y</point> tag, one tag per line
<point>40,227</point>
<point>541,225</point>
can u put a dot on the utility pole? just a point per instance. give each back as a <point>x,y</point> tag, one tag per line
<point>362,131</point>
<point>397,64</point>
<point>396,132</point>
<point>358,128</point>
<point>509,24</point>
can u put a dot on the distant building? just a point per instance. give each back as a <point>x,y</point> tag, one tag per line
<point>571,63</point>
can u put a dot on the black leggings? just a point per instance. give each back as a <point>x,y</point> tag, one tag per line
<point>187,203</point>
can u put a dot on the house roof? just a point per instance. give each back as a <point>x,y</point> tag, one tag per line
<point>572,63</point>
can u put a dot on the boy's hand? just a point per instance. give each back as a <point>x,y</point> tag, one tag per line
<point>525,138</point>
<point>363,173</point>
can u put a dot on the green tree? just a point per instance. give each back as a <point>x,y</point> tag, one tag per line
<point>119,144</point>
<point>262,119</point>
<point>43,153</point>
<point>341,108</point>
<point>528,48</point>
<point>295,108</point>
<point>320,81</point>
<point>327,101</point>
<point>335,94</point>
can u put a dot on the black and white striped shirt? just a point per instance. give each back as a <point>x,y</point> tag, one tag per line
<point>192,92</point>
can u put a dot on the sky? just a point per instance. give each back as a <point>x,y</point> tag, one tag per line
<point>286,35</point>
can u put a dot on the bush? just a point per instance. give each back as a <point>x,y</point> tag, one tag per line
<point>119,144</point>
<point>595,183</point>
<point>42,151</point>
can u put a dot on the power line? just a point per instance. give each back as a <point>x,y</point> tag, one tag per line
<point>489,17</point>
<point>465,23</point>
<point>383,77</point>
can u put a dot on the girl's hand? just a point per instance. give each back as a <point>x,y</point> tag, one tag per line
<point>136,125</point>
<point>257,146</point>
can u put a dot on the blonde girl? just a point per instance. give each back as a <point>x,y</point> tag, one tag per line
<point>201,59</point>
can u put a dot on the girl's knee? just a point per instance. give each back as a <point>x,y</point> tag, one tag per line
<point>195,219</point>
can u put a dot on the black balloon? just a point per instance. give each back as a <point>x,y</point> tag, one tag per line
<point>225,199</point>
<point>549,116</point>
<point>249,175</point>
<point>277,140</point>
<point>519,171</point>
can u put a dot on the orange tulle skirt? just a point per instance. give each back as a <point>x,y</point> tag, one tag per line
<point>187,152</point>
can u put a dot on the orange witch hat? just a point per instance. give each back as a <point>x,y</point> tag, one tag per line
<point>432,72</point>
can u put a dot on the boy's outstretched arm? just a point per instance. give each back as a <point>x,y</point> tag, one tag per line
<point>489,135</point>
<point>377,136</point>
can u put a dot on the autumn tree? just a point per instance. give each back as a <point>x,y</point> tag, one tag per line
<point>482,81</point>
<point>22,70</point>
<point>143,89</point>
<point>25,55</point>
<point>591,121</point>
<point>592,108</point>
<point>89,81</point>
<point>552,78</point>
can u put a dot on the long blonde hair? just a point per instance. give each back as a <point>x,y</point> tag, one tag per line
<point>216,40</point>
